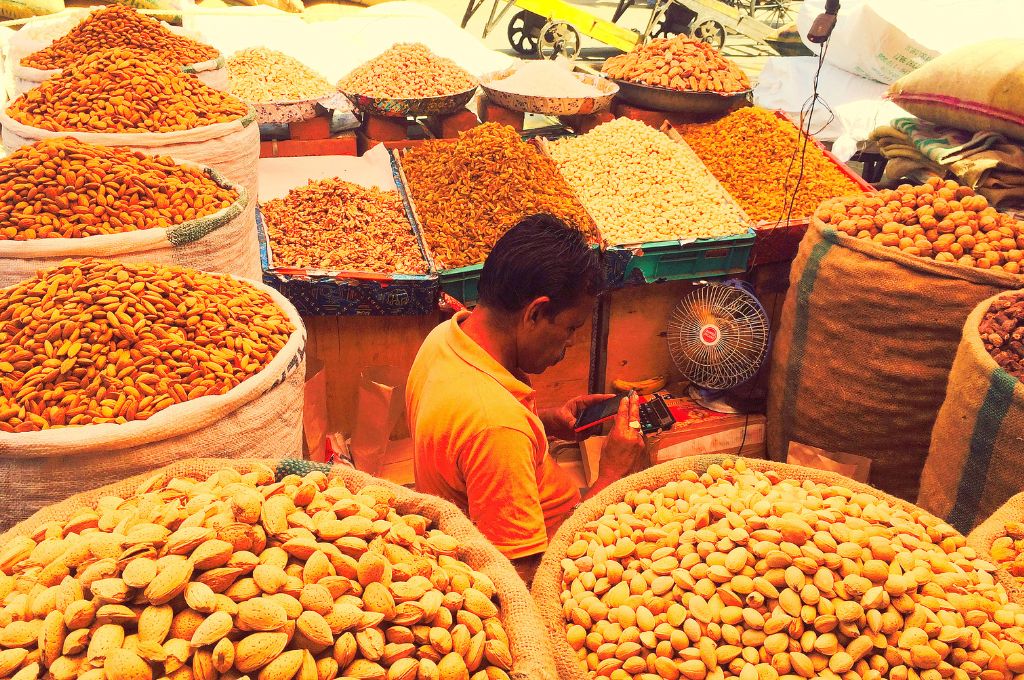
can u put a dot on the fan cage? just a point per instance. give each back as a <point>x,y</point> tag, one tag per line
<point>742,343</point>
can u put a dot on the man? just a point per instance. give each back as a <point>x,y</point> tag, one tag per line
<point>478,438</point>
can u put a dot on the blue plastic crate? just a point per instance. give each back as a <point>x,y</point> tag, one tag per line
<point>350,293</point>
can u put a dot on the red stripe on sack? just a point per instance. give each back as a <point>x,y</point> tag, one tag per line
<point>977,107</point>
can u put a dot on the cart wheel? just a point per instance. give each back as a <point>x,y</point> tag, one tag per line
<point>558,37</point>
<point>524,30</point>
<point>710,32</point>
<point>775,13</point>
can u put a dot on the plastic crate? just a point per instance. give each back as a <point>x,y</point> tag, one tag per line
<point>678,261</point>
<point>350,293</point>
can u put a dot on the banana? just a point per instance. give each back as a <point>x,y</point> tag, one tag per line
<point>648,386</point>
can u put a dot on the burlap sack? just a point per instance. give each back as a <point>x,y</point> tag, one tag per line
<point>224,242</point>
<point>528,642</point>
<point>978,87</point>
<point>995,527</point>
<point>547,583</point>
<point>232,148</point>
<point>863,351</point>
<point>260,418</point>
<point>977,452</point>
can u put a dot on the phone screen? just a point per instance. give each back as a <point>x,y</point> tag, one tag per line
<point>596,414</point>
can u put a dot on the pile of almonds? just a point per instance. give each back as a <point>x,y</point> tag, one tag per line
<point>240,577</point>
<point>740,573</point>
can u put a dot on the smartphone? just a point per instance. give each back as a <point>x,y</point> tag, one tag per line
<point>598,413</point>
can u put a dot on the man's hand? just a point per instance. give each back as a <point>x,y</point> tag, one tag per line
<point>624,450</point>
<point>561,422</point>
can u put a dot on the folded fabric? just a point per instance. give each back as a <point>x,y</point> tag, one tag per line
<point>988,162</point>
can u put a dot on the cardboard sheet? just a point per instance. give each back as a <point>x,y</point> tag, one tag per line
<point>278,176</point>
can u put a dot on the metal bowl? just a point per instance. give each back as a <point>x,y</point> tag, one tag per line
<point>550,106</point>
<point>401,108</point>
<point>680,101</point>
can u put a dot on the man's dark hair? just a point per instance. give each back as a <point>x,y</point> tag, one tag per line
<point>540,256</point>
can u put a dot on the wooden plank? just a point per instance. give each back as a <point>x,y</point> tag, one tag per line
<point>348,344</point>
<point>638,318</point>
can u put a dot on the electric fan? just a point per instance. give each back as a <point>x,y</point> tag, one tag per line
<point>718,339</point>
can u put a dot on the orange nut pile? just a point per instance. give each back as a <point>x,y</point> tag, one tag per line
<point>119,26</point>
<point>64,188</point>
<point>751,153</point>
<point>104,342</point>
<point>337,225</point>
<point>678,64</point>
<point>469,191</point>
<point>123,90</point>
<point>407,71</point>
<point>1008,550</point>
<point>940,220</point>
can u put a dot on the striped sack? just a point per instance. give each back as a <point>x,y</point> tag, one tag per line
<point>864,348</point>
<point>977,450</point>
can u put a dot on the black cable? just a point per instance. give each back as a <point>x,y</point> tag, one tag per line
<point>743,441</point>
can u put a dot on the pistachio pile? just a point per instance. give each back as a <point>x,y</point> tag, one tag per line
<point>241,577</point>
<point>740,573</point>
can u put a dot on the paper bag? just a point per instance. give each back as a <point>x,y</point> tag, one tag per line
<point>851,465</point>
<point>380,406</point>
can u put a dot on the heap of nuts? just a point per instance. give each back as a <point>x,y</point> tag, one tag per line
<point>258,74</point>
<point>337,225</point>
<point>1002,333</point>
<point>940,220</point>
<point>63,188</point>
<point>736,573</point>
<point>115,26</point>
<point>678,63</point>
<point>123,90</point>
<point>1008,550</point>
<point>619,169</point>
<point>750,152</point>
<point>469,191</point>
<point>237,576</point>
<point>107,342</point>
<point>407,71</point>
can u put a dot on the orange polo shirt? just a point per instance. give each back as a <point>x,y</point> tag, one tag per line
<point>479,443</point>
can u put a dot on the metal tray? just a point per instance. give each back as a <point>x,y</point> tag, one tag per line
<point>681,101</point>
<point>550,106</point>
<point>402,108</point>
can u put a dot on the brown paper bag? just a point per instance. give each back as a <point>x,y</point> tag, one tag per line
<point>379,408</point>
<point>847,464</point>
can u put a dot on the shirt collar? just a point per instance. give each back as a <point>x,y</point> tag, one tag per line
<point>477,357</point>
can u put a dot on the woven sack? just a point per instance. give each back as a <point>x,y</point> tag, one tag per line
<point>260,418</point>
<point>994,527</point>
<point>979,88</point>
<point>224,242</point>
<point>977,451</point>
<point>528,642</point>
<point>547,584</point>
<point>232,148</point>
<point>863,351</point>
<point>213,72</point>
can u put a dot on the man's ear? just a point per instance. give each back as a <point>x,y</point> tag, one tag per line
<point>535,310</point>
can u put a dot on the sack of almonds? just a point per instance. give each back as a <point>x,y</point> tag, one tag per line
<point>225,570</point>
<point>974,462</point>
<point>1001,538</point>
<point>110,369</point>
<point>152,209</point>
<point>718,567</point>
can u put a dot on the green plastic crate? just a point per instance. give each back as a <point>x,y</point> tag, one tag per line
<point>675,261</point>
<point>462,283</point>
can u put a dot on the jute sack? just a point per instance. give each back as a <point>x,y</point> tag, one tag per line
<point>224,242</point>
<point>260,418</point>
<point>995,527</point>
<point>547,583</point>
<point>231,148</point>
<point>977,452</point>
<point>213,72</point>
<point>863,351</point>
<point>528,641</point>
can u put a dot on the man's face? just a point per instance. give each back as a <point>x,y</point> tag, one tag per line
<point>544,339</point>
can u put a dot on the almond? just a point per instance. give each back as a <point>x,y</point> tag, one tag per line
<point>479,604</point>
<point>362,669</point>
<point>122,664</point>
<point>283,667</point>
<point>497,652</point>
<point>212,630</point>
<point>404,669</point>
<point>105,639</point>
<point>139,572</point>
<point>257,650</point>
<point>452,667</point>
<point>51,637</point>
<point>200,597</point>
<point>11,660</point>
<point>261,614</point>
<point>223,656</point>
<point>169,582</point>
<point>212,554</point>
<point>315,628</point>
